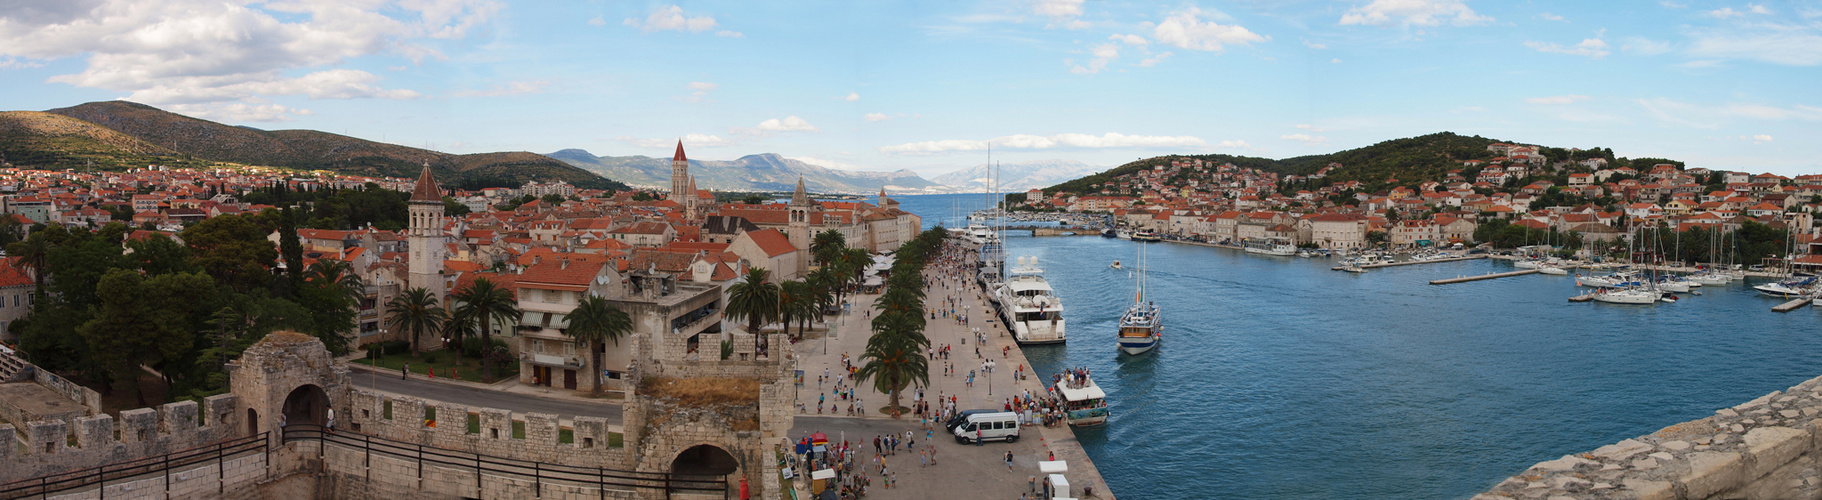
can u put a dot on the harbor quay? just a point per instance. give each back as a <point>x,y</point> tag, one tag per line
<point>962,470</point>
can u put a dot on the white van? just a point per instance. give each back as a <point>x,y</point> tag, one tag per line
<point>989,427</point>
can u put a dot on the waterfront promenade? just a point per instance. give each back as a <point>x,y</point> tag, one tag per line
<point>966,470</point>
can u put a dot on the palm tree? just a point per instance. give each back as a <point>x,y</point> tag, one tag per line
<point>827,246</point>
<point>415,312</point>
<point>894,362</point>
<point>340,295</point>
<point>595,322</point>
<point>754,300</point>
<point>485,302</point>
<point>458,327</point>
<point>32,253</point>
<point>797,303</point>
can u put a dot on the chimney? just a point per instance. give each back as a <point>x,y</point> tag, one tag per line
<point>564,264</point>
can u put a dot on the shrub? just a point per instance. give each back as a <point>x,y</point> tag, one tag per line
<point>430,358</point>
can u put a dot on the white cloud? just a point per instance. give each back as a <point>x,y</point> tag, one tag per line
<point>851,97</point>
<point>1552,17</point>
<point>1103,54</point>
<point>1335,61</point>
<point>1758,9</point>
<point>1306,139</point>
<point>672,18</point>
<point>1724,13</point>
<point>239,112</point>
<point>689,140</point>
<point>1183,29</point>
<point>1645,46</point>
<point>1759,138</point>
<point>206,53</point>
<point>1153,60</point>
<point>1306,126</point>
<point>1129,39</point>
<point>597,21</point>
<point>1714,116</point>
<point>509,88</point>
<point>1786,44</point>
<point>730,34</point>
<point>703,86</point>
<point>1560,99</point>
<point>1235,144</point>
<point>877,117</point>
<point>1414,13</point>
<point>11,63</point>
<point>1061,13</point>
<point>1026,141</point>
<point>1672,5</point>
<point>1592,47</point>
<point>778,126</point>
<point>1314,45</point>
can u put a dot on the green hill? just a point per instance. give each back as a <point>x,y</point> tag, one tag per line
<point>100,129</point>
<point>1409,161</point>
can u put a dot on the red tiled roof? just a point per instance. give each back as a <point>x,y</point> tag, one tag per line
<point>772,242</point>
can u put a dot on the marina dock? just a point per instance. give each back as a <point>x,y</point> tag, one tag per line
<point>1791,306</point>
<point>1415,262</point>
<point>1465,279</point>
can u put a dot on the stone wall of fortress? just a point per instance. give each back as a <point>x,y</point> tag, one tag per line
<point>53,446</point>
<point>1767,448</point>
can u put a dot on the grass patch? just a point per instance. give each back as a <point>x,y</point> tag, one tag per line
<point>616,440</point>
<point>566,436</point>
<point>444,364</point>
<point>702,391</point>
<point>387,411</point>
<point>474,424</point>
<point>518,429</point>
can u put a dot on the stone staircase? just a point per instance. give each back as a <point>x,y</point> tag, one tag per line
<point>13,369</point>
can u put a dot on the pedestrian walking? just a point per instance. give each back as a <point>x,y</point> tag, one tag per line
<point>1009,461</point>
<point>405,372</point>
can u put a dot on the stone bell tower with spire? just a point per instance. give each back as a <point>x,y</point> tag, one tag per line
<point>680,178</point>
<point>425,237</point>
<point>799,221</point>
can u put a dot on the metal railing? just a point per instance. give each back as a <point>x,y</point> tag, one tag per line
<point>57,483</point>
<point>537,473</point>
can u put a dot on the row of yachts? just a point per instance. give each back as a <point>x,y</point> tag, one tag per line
<point>1624,285</point>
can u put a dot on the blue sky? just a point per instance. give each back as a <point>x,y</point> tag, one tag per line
<point>926,85</point>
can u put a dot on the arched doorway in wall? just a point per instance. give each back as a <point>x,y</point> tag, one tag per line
<point>306,405</point>
<point>706,463</point>
<point>252,422</point>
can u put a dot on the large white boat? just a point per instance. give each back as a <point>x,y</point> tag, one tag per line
<point>1145,236</point>
<point>1787,289</point>
<point>1270,246</point>
<point>1083,401</point>
<point>1140,327</point>
<point>1619,279</point>
<point>1029,306</point>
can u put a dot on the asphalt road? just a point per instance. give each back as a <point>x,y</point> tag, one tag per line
<point>519,404</point>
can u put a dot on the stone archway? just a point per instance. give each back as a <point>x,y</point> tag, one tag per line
<point>705,460</point>
<point>308,404</point>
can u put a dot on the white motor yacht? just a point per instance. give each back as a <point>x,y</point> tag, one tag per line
<point>1029,306</point>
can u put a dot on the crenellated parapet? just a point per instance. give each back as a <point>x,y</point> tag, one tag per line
<point>486,431</point>
<point>55,446</point>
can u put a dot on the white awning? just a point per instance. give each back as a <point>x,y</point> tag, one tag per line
<point>823,474</point>
<point>874,281</point>
<point>1053,466</point>
<point>1082,394</point>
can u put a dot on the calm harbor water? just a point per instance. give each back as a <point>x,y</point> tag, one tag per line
<point>1279,378</point>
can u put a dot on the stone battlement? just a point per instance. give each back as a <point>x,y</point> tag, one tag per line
<point>55,446</point>
<point>1764,448</point>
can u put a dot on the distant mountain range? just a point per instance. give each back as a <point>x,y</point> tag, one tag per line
<point>120,134</point>
<point>759,172</point>
<point>1015,177</point>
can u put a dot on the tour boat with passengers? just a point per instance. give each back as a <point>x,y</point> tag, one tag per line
<point>1281,247</point>
<point>1029,306</point>
<point>1083,402</point>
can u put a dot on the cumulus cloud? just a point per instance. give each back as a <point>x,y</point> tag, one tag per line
<point>1560,99</point>
<point>703,86</point>
<point>240,112</point>
<point>1645,46</point>
<point>207,53</point>
<point>1552,17</point>
<point>597,21</point>
<point>1758,139</point>
<point>1184,29</point>
<point>1314,45</point>
<point>1103,54</point>
<point>1129,39</point>
<point>1153,60</point>
<point>672,18</point>
<point>1772,42</point>
<point>1724,13</point>
<point>689,140</point>
<point>1060,12</point>
<point>1033,142</point>
<point>1758,9</point>
<point>1335,61</point>
<point>778,125</point>
<point>851,97</point>
<point>1306,139</point>
<point>1592,47</point>
<point>509,88</point>
<point>1414,13</point>
<point>876,117</point>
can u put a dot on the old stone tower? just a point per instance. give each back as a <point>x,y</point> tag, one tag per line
<point>682,190</point>
<point>425,236</point>
<point>799,222</point>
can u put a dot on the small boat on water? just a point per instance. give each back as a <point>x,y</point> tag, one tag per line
<point>1116,265</point>
<point>1146,236</point>
<point>1353,268</point>
<point>1633,295</point>
<point>1083,401</point>
<point>1553,271</point>
<point>1281,247</point>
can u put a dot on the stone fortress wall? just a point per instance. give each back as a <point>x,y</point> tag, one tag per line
<point>269,378</point>
<point>1767,448</point>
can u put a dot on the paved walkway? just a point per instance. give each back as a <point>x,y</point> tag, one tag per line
<point>504,395</point>
<point>990,390</point>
